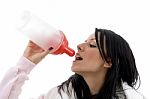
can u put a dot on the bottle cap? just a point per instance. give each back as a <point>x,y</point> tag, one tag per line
<point>64,48</point>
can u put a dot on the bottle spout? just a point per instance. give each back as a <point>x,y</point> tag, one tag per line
<point>69,51</point>
<point>64,47</point>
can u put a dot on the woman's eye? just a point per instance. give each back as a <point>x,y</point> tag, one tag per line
<point>91,45</point>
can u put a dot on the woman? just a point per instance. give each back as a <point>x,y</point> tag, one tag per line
<point>104,68</point>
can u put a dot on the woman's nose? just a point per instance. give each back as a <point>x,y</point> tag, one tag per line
<point>80,47</point>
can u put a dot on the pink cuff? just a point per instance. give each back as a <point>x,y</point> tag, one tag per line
<point>25,65</point>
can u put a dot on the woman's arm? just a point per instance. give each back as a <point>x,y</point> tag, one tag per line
<point>10,86</point>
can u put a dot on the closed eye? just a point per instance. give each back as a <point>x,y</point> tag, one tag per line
<point>91,45</point>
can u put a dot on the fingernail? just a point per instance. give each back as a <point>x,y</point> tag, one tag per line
<point>50,48</point>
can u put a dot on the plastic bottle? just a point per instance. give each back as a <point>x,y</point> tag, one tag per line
<point>44,35</point>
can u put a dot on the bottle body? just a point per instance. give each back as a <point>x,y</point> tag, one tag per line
<point>42,33</point>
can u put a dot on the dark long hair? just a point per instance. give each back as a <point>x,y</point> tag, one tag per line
<point>123,69</point>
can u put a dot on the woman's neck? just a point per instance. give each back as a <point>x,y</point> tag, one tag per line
<point>95,81</point>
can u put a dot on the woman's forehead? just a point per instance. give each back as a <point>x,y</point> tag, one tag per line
<point>91,37</point>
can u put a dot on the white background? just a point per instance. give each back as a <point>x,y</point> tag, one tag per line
<point>77,19</point>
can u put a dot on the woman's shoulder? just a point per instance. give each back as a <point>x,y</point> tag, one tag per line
<point>132,93</point>
<point>54,93</point>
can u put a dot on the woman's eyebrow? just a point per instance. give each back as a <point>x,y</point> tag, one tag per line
<point>90,39</point>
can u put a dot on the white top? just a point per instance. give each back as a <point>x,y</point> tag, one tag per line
<point>10,86</point>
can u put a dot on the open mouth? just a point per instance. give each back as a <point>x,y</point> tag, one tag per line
<point>78,57</point>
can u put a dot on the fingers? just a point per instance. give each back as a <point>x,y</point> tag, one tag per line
<point>50,48</point>
<point>31,44</point>
<point>44,53</point>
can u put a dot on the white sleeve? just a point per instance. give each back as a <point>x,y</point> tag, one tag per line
<point>131,93</point>
<point>10,86</point>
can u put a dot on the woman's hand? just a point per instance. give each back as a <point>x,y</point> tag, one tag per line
<point>34,53</point>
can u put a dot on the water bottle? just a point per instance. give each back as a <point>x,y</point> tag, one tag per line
<point>43,34</point>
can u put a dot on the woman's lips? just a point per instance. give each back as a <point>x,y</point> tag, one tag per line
<point>78,57</point>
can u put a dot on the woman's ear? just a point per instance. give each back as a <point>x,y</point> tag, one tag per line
<point>108,64</point>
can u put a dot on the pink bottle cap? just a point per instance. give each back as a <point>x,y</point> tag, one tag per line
<point>64,48</point>
<point>69,51</point>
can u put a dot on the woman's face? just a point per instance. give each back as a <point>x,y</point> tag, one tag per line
<point>87,59</point>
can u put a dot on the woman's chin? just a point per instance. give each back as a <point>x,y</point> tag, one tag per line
<point>77,67</point>
<point>74,68</point>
